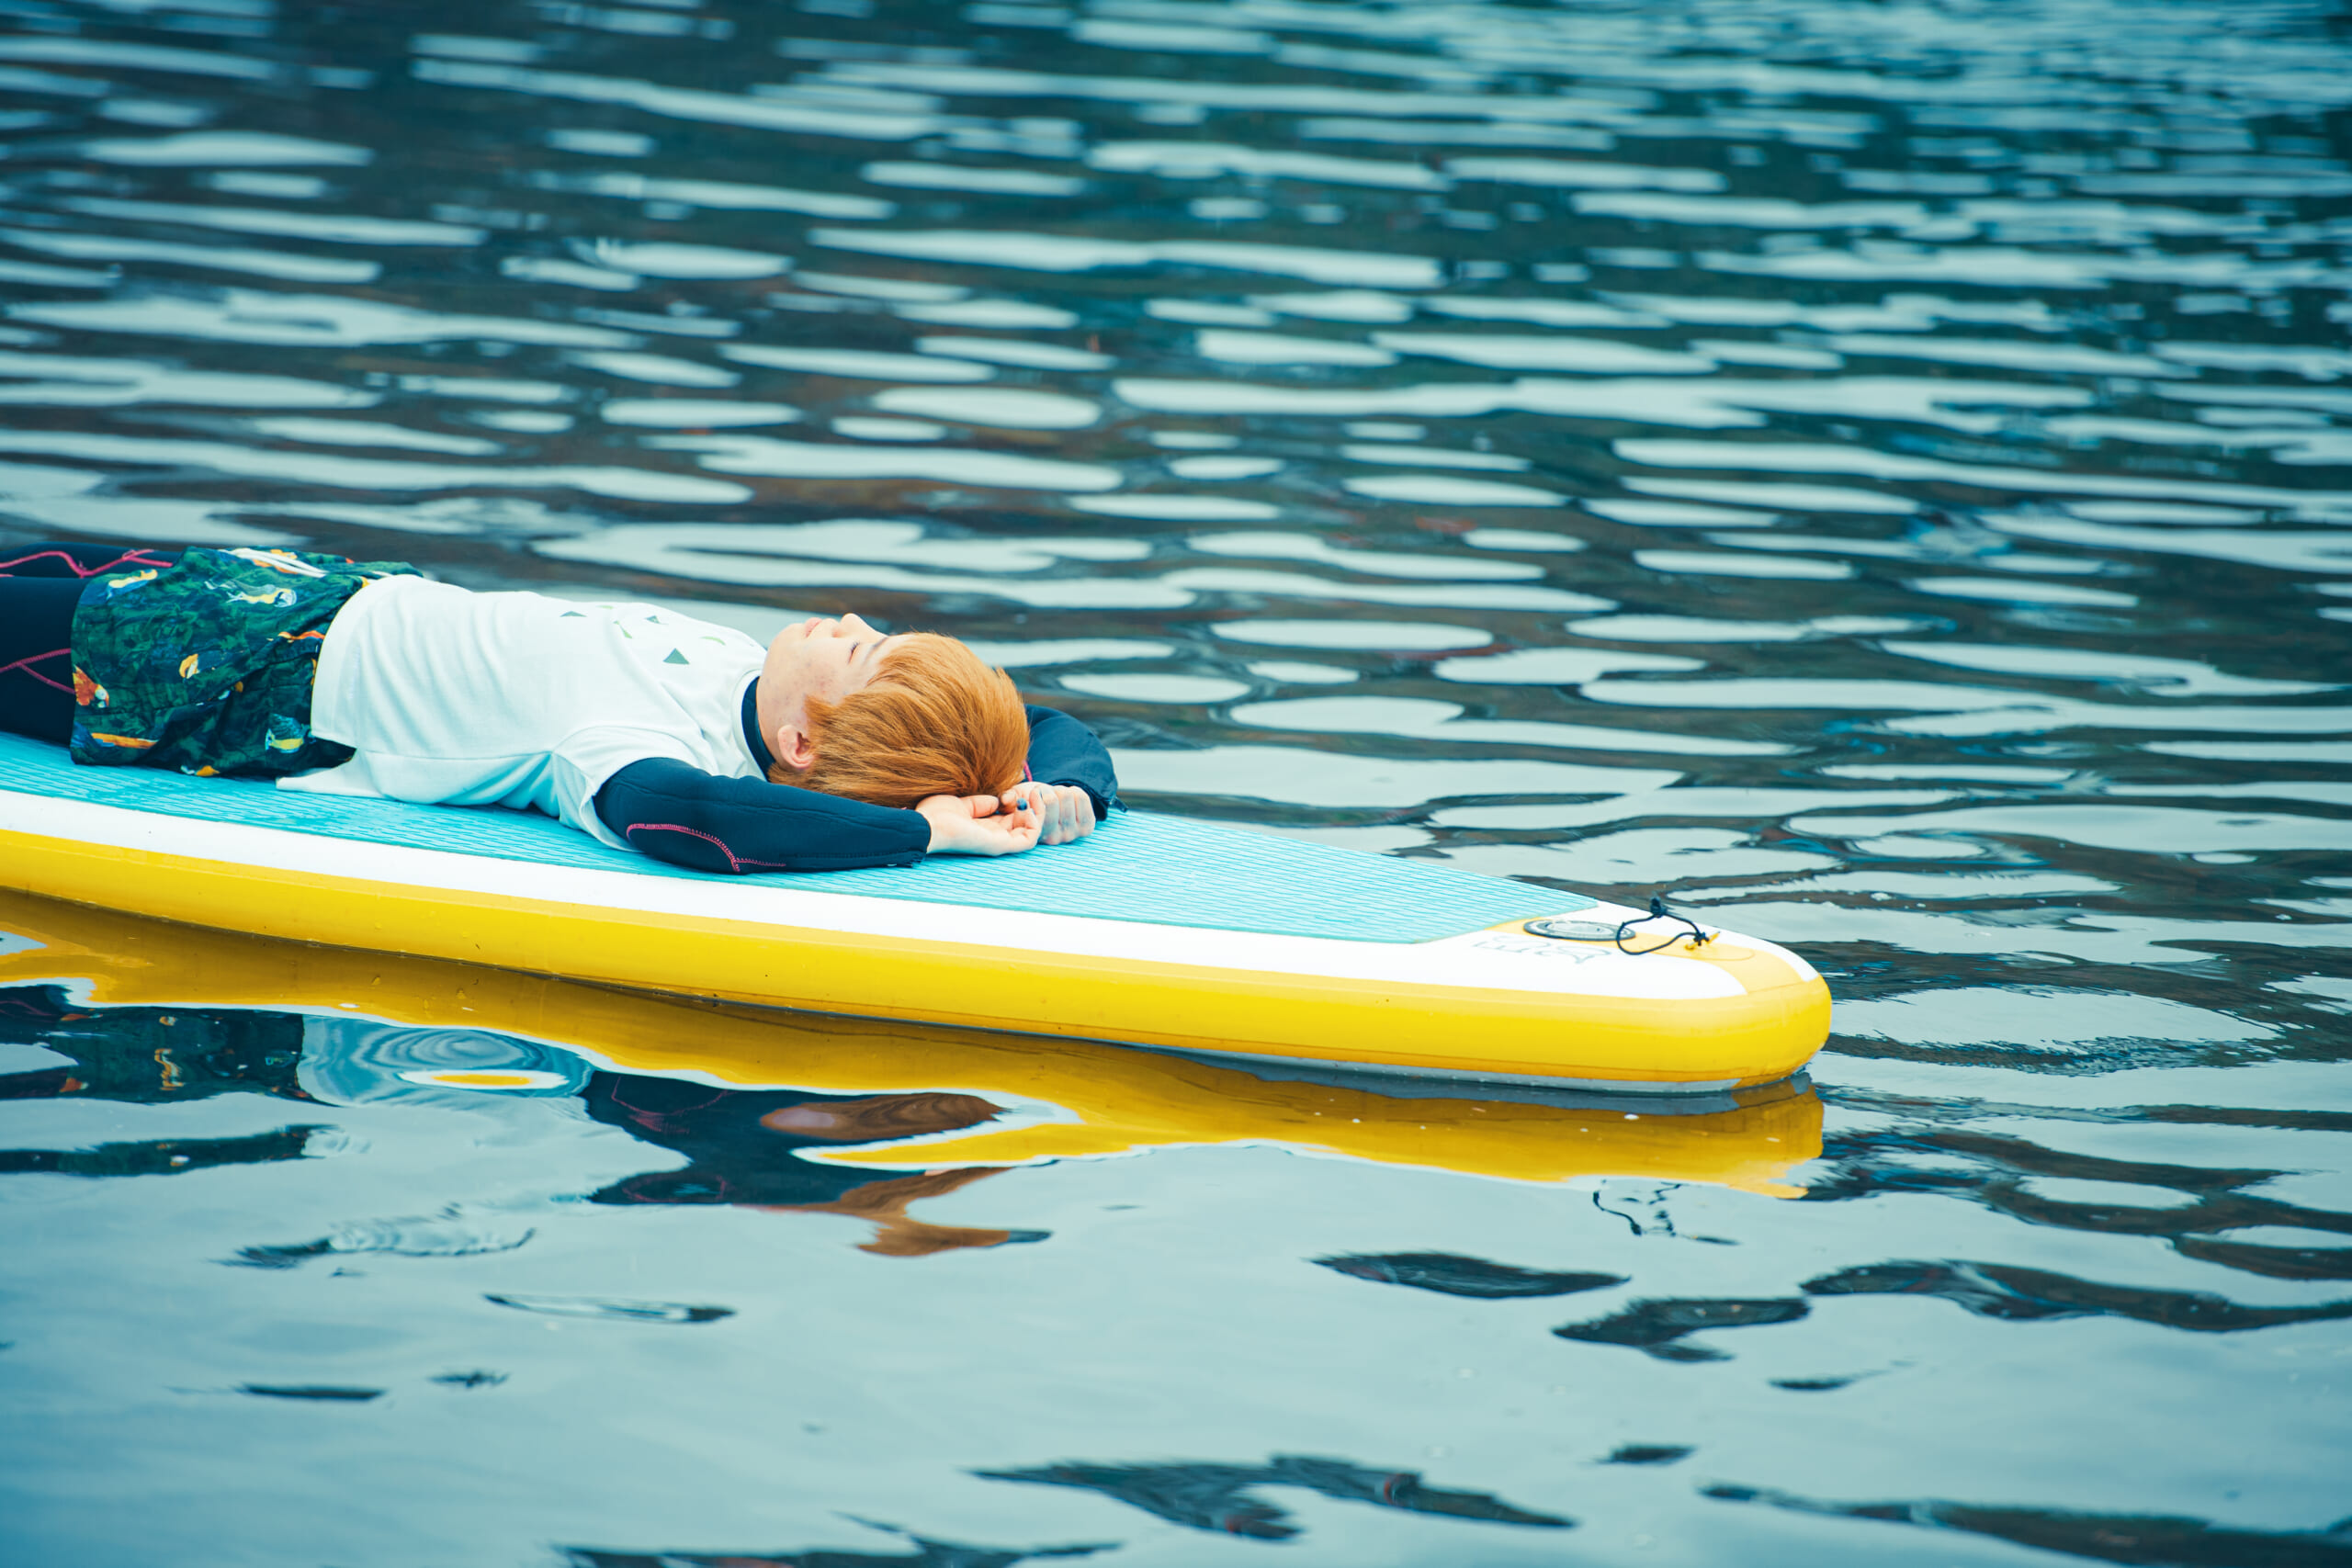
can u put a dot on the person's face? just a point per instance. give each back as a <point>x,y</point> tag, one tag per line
<point>822,658</point>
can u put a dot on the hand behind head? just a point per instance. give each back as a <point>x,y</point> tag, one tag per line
<point>979,825</point>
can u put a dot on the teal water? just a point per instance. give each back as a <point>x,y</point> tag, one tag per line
<point>1875,472</point>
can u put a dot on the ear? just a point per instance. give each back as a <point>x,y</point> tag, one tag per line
<point>792,746</point>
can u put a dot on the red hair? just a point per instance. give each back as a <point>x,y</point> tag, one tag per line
<point>935,720</point>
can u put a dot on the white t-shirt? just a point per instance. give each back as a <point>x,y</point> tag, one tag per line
<point>520,700</point>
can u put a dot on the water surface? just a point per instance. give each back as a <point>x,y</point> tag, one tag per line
<point>1879,474</point>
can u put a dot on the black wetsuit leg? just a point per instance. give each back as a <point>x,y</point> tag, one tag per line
<point>39,586</point>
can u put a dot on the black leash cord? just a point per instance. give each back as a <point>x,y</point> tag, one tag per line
<point>1658,911</point>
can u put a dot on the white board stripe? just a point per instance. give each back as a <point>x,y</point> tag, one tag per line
<point>1476,961</point>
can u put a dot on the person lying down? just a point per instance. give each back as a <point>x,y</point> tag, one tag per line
<point>833,747</point>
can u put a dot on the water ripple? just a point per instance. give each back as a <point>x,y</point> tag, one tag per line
<point>1882,473</point>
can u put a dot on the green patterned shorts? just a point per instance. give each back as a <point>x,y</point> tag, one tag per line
<point>206,665</point>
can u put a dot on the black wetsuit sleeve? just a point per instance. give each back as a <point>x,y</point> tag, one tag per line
<point>680,813</point>
<point>1064,751</point>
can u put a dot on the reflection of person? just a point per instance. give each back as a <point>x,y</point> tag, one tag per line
<point>1218,1496</point>
<point>834,747</point>
<point>739,1143</point>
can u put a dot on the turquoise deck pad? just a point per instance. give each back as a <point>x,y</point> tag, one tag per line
<point>1162,870</point>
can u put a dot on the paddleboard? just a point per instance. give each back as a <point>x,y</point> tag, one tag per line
<point>1155,931</point>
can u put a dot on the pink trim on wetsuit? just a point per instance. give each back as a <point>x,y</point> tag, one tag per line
<point>141,557</point>
<point>732,859</point>
<point>28,661</point>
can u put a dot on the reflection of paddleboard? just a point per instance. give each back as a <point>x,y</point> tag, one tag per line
<point>410,1029</point>
<point>1155,931</point>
